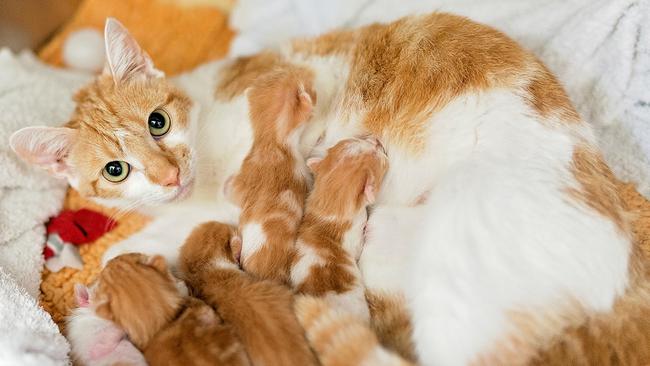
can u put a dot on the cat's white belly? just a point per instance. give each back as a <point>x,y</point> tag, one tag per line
<point>497,234</point>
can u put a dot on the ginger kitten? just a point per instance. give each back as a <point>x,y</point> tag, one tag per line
<point>331,234</point>
<point>271,185</point>
<point>139,294</point>
<point>95,340</point>
<point>259,311</point>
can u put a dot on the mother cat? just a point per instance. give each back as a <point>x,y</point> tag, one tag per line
<point>498,219</point>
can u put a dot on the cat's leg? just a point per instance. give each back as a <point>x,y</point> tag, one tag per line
<point>164,235</point>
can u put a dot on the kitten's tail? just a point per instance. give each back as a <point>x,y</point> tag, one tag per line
<point>339,338</point>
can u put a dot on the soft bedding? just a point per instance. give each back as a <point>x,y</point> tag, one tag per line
<point>30,93</point>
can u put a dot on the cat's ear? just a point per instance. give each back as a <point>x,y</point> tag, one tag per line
<point>81,295</point>
<point>158,262</point>
<point>369,190</point>
<point>314,163</point>
<point>235,246</point>
<point>126,60</point>
<point>46,147</point>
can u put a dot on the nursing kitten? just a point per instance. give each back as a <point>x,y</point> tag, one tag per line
<point>96,341</point>
<point>271,185</point>
<point>523,231</point>
<point>330,238</point>
<point>140,295</point>
<point>259,311</point>
<point>340,338</point>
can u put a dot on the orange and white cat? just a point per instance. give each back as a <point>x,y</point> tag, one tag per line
<point>498,219</point>
<point>260,311</point>
<point>272,183</point>
<point>330,238</point>
<point>151,307</point>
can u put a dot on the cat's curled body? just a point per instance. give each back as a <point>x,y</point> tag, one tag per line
<point>497,219</point>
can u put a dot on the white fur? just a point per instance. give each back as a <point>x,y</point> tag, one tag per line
<point>498,232</point>
<point>353,301</point>
<point>353,237</point>
<point>307,258</point>
<point>225,264</point>
<point>86,331</point>
<point>253,239</point>
<point>291,202</point>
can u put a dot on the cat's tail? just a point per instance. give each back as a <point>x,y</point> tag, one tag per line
<point>340,338</point>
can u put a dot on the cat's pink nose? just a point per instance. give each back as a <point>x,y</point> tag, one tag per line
<point>171,179</point>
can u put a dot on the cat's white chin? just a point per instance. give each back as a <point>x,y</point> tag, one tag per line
<point>184,191</point>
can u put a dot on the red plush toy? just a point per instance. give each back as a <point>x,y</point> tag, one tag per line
<point>67,231</point>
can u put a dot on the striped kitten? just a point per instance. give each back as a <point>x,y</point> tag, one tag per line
<point>271,185</point>
<point>140,295</point>
<point>331,234</point>
<point>259,311</point>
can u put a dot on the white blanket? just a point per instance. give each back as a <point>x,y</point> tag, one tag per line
<point>600,50</point>
<point>30,94</point>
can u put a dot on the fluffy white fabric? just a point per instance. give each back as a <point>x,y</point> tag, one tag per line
<point>30,94</point>
<point>28,336</point>
<point>600,50</point>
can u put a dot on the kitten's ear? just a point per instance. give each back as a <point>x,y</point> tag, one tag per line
<point>306,97</point>
<point>314,163</point>
<point>103,310</point>
<point>125,58</point>
<point>46,147</point>
<point>236,246</point>
<point>158,262</point>
<point>81,295</point>
<point>369,190</point>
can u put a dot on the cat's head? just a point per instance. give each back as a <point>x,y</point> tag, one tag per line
<point>130,137</point>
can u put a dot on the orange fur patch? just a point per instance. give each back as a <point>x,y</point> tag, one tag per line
<point>259,311</point>
<point>280,102</point>
<point>597,187</point>
<point>390,319</point>
<point>139,294</point>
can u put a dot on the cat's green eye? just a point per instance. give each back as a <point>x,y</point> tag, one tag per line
<point>159,123</point>
<point>116,171</point>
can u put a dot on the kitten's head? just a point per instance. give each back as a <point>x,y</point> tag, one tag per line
<point>211,244</point>
<point>138,293</point>
<point>130,137</point>
<point>346,180</point>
